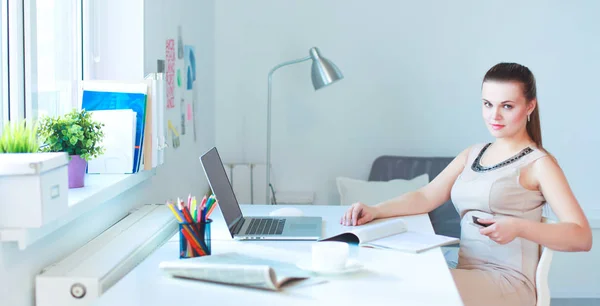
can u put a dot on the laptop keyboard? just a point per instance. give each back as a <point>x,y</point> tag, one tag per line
<point>239,225</point>
<point>265,226</point>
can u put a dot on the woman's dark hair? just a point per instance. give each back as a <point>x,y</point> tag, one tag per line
<point>513,72</point>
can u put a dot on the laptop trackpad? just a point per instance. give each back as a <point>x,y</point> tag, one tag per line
<point>302,227</point>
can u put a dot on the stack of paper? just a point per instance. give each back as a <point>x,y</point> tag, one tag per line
<point>154,131</point>
<point>118,143</point>
<point>105,95</point>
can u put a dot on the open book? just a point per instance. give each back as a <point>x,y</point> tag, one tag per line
<point>391,233</point>
<point>236,269</point>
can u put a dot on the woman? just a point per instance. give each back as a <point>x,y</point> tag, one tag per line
<point>504,185</point>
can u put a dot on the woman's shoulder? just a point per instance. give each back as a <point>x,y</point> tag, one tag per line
<point>474,148</point>
<point>469,153</point>
<point>540,156</point>
<point>543,160</point>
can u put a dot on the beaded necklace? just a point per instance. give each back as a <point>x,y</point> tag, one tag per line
<point>477,167</point>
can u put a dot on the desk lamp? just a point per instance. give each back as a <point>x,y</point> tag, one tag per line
<point>323,73</point>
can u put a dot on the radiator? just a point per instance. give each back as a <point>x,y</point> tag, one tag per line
<point>249,182</point>
<point>82,277</point>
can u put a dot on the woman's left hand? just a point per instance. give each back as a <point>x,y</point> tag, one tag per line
<point>502,231</point>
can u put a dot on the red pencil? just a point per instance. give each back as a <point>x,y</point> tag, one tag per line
<point>195,243</point>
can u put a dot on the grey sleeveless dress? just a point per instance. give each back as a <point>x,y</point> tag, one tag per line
<point>489,273</point>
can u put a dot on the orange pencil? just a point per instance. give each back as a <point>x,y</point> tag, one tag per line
<point>211,209</point>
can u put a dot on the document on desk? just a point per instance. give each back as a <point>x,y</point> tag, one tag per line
<point>240,270</point>
<point>377,229</point>
<point>413,242</point>
<point>391,233</point>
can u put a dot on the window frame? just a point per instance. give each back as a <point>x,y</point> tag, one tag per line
<point>4,107</point>
<point>16,60</point>
<point>28,106</point>
<point>21,64</point>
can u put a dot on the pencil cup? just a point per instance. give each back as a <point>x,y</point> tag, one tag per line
<point>194,239</point>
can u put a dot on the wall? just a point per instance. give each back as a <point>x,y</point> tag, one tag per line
<point>413,73</point>
<point>180,175</point>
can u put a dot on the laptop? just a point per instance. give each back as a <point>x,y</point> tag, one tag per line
<point>255,227</point>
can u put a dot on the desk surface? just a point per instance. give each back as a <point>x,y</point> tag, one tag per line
<point>389,277</point>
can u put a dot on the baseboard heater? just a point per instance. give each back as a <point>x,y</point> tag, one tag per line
<point>82,277</point>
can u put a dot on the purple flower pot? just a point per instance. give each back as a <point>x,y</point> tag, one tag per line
<point>77,167</point>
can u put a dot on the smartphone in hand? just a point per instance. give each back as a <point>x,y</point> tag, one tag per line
<point>477,223</point>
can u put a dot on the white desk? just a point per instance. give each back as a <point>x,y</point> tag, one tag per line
<point>389,277</point>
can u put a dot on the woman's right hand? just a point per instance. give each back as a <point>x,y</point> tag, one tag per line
<point>358,214</point>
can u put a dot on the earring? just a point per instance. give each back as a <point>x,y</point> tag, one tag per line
<point>528,119</point>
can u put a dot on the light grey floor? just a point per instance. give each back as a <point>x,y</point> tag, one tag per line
<point>575,302</point>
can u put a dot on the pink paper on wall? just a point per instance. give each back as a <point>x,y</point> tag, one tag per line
<point>170,72</point>
<point>189,112</point>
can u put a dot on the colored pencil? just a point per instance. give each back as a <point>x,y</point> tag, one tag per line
<point>211,210</point>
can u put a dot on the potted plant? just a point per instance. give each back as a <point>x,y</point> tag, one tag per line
<point>19,137</point>
<point>78,135</point>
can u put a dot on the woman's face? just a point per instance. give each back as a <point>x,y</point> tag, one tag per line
<point>504,108</point>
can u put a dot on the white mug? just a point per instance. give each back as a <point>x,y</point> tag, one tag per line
<point>329,255</point>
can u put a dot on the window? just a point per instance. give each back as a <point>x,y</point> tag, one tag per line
<point>56,56</point>
<point>3,64</point>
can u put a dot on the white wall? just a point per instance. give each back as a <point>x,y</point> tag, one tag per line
<point>413,73</point>
<point>180,175</point>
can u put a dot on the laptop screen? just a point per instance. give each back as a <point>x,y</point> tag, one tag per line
<point>221,187</point>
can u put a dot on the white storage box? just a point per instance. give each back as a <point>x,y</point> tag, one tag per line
<point>33,188</point>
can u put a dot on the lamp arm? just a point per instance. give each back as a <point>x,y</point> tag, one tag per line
<point>268,165</point>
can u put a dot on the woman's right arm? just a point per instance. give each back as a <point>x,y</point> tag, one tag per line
<point>420,201</point>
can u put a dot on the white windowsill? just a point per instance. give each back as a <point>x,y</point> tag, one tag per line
<point>99,188</point>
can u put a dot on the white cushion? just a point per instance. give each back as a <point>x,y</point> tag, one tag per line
<point>374,192</point>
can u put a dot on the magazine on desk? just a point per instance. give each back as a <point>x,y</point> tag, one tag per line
<point>241,270</point>
<point>391,233</point>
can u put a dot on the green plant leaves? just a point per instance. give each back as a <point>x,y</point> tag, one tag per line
<point>19,137</point>
<point>75,133</point>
